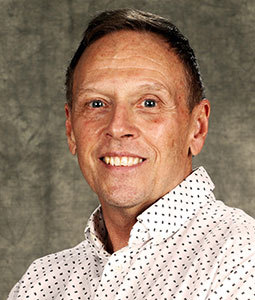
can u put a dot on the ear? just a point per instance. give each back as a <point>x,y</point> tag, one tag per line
<point>69,130</point>
<point>199,128</point>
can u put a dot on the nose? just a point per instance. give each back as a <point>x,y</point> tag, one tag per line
<point>122,124</point>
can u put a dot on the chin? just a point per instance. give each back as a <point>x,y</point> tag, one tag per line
<point>122,199</point>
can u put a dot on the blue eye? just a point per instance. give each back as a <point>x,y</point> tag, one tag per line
<point>150,103</point>
<point>96,103</point>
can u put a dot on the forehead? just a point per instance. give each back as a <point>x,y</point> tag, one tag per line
<point>130,53</point>
<point>123,44</point>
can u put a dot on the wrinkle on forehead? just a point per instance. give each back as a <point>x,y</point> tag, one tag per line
<point>127,58</point>
<point>142,87</point>
<point>129,71</point>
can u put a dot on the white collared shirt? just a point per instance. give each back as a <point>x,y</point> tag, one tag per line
<point>186,245</point>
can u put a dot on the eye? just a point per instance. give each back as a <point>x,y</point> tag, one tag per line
<point>96,103</point>
<point>149,103</point>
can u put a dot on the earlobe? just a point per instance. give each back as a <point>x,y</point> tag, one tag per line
<point>69,131</point>
<point>200,120</point>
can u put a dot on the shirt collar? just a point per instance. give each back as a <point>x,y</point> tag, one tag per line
<point>165,216</point>
<point>95,231</point>
<point>169,213</point>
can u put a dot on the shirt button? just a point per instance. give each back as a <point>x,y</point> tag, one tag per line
<point>119,268</point>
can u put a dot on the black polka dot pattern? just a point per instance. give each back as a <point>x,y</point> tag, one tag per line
<point>186,245</point>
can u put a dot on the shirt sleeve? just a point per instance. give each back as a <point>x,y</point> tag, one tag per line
<point>14,292</point>
<point>237,284</point>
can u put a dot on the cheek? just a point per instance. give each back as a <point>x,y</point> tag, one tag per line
<point>164,131</point>
<point>88,129</point>
<point>169,138</point>
<point>162,137</point>
<point>84,135</point>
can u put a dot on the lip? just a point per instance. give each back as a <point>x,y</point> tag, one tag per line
<point>121,154</point>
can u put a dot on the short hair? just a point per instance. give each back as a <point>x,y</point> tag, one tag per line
<point>130,19</point>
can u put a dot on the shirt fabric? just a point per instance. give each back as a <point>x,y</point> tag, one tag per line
<point>187,245</point>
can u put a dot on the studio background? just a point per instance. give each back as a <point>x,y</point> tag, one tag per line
<point>45,202</point>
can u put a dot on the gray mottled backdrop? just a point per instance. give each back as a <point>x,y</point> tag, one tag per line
<point>45,202</point>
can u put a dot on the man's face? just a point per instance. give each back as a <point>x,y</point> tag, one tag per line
<point>129,124</point>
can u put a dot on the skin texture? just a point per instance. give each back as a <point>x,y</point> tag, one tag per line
<point>121,73</point>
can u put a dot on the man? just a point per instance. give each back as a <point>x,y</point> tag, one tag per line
<point>136,114</point>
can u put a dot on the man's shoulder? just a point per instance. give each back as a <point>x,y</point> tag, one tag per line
<point>231,230</point>
<point>236,218</point>
<point>230,241</point>
<point>50,269</point>
<point>63,257</point>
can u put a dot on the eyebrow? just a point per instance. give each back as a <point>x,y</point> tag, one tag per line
<point>153,86</point>
<point>82,91</point>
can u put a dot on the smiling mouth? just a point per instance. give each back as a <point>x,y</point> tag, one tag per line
<point>123,161</point>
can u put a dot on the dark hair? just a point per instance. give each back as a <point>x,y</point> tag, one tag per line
<point>130,19</point>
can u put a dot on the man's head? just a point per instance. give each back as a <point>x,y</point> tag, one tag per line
<point>129,19</point>
<point>129,121</point>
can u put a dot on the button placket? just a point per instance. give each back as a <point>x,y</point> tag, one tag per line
<point>114,271</point>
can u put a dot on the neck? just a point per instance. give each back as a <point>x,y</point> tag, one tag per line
<point>119,222</point>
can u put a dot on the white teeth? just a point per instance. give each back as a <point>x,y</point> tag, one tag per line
<point>136,160</point>
<point>111,161</point>
<point>117,161</point>
<point>122,161</point>
<point>130,161</point>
